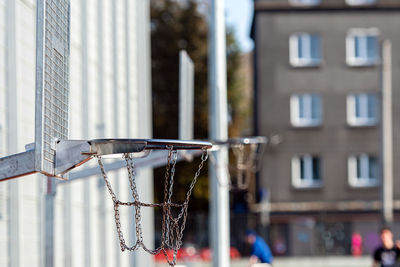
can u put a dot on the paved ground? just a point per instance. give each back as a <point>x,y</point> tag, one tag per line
<point>324,262</point>
<point>296,262</point>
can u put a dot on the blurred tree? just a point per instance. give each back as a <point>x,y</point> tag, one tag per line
<point>177,25</point>
<point>174,27</point>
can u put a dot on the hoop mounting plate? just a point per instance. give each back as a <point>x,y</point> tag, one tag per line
<point>241,141</point>
<point>72,153</point>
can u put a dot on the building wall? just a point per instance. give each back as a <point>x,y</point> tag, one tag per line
<point>334,140</point>
<point>109,39</point>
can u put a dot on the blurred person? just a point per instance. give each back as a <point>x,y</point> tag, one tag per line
<point>279,247</point>
<point>260,251</point>
<point>356,244</point>
<point>388,254</point>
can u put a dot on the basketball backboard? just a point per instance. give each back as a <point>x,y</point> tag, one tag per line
<point>52,80</point>
<point>186,94</point>
<point>52,92</point>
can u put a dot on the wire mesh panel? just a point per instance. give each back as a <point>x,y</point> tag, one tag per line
<point>52,80</point>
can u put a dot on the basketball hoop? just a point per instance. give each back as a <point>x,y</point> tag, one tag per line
<point>172,226</point>
<point>246,153</point>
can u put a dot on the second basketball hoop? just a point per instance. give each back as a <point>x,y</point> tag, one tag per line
<point>245,155</point>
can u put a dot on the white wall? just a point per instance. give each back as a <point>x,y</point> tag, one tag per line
<point>3,191</point>
<point>109,40</point>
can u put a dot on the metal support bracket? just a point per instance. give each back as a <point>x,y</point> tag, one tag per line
<point>69,154</point>
<point>17,165</point>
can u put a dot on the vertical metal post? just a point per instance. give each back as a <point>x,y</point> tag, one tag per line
<point>48,230</point>
<point>102,230</point>
<point>144,108</point>
<point>387,133</point>
<point>116,106</point>
<point>115,68</point>
<point>87,237</point>
<point>67,229</point>
<point>13,242</point>
<point>218,130</point>
<point>128,63</point>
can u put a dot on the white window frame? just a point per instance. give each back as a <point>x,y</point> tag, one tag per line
<point>364,180</point>
<point>362,120</point>
<point>360,2</point>
<point>294,58</point>
<point>308,121</point>
<point>308,181</point>
<point>351,58</point>
<point>304,2</point>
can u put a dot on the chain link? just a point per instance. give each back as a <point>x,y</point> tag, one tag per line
<point>170,181</point>
<point>246,161</point>
<point>172,231</point>
<point>132,182</point>
<point>116,204</point>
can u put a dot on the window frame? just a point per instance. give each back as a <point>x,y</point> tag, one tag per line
<point>351,111</point>
<point>351,58</point>
<point>295,111</point>
<point>308,181</point>
<point>360,2</point>
<point>294,58</point>
<point>304,2</point>
<point>363,180</point>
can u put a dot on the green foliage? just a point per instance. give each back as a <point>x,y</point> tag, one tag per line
<point>175,26</point>
<point>237,102</point>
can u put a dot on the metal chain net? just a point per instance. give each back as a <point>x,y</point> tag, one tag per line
<point>172,227</point>
<point>246,161</point>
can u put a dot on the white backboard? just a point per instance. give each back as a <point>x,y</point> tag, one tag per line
<point>52,80</point>
<point>186,94</point>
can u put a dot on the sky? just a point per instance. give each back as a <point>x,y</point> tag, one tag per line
<point>238,14</point>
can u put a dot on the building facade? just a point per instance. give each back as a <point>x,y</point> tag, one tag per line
<point>318,89</point>
<point>110,97</point>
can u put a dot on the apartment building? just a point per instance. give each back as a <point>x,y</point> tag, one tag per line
<point>317,85</point>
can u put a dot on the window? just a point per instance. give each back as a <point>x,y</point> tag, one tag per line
<point>363,170</point>
<point>304,2</point>
<point>362,47</point>
<point>305,110</point>
<point>362,109</point>
<point>359,2</point>
<point>306,171</point>
<point>305,50</point>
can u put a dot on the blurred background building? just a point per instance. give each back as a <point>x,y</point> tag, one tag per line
<point>318,88</point>
<point>110,77</point>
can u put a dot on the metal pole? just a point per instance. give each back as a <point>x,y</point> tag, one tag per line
<point>14,194</point>
<point>49,222</point>
<point>144,123</point>
<point>218,130</point>
<point>387,133</point>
